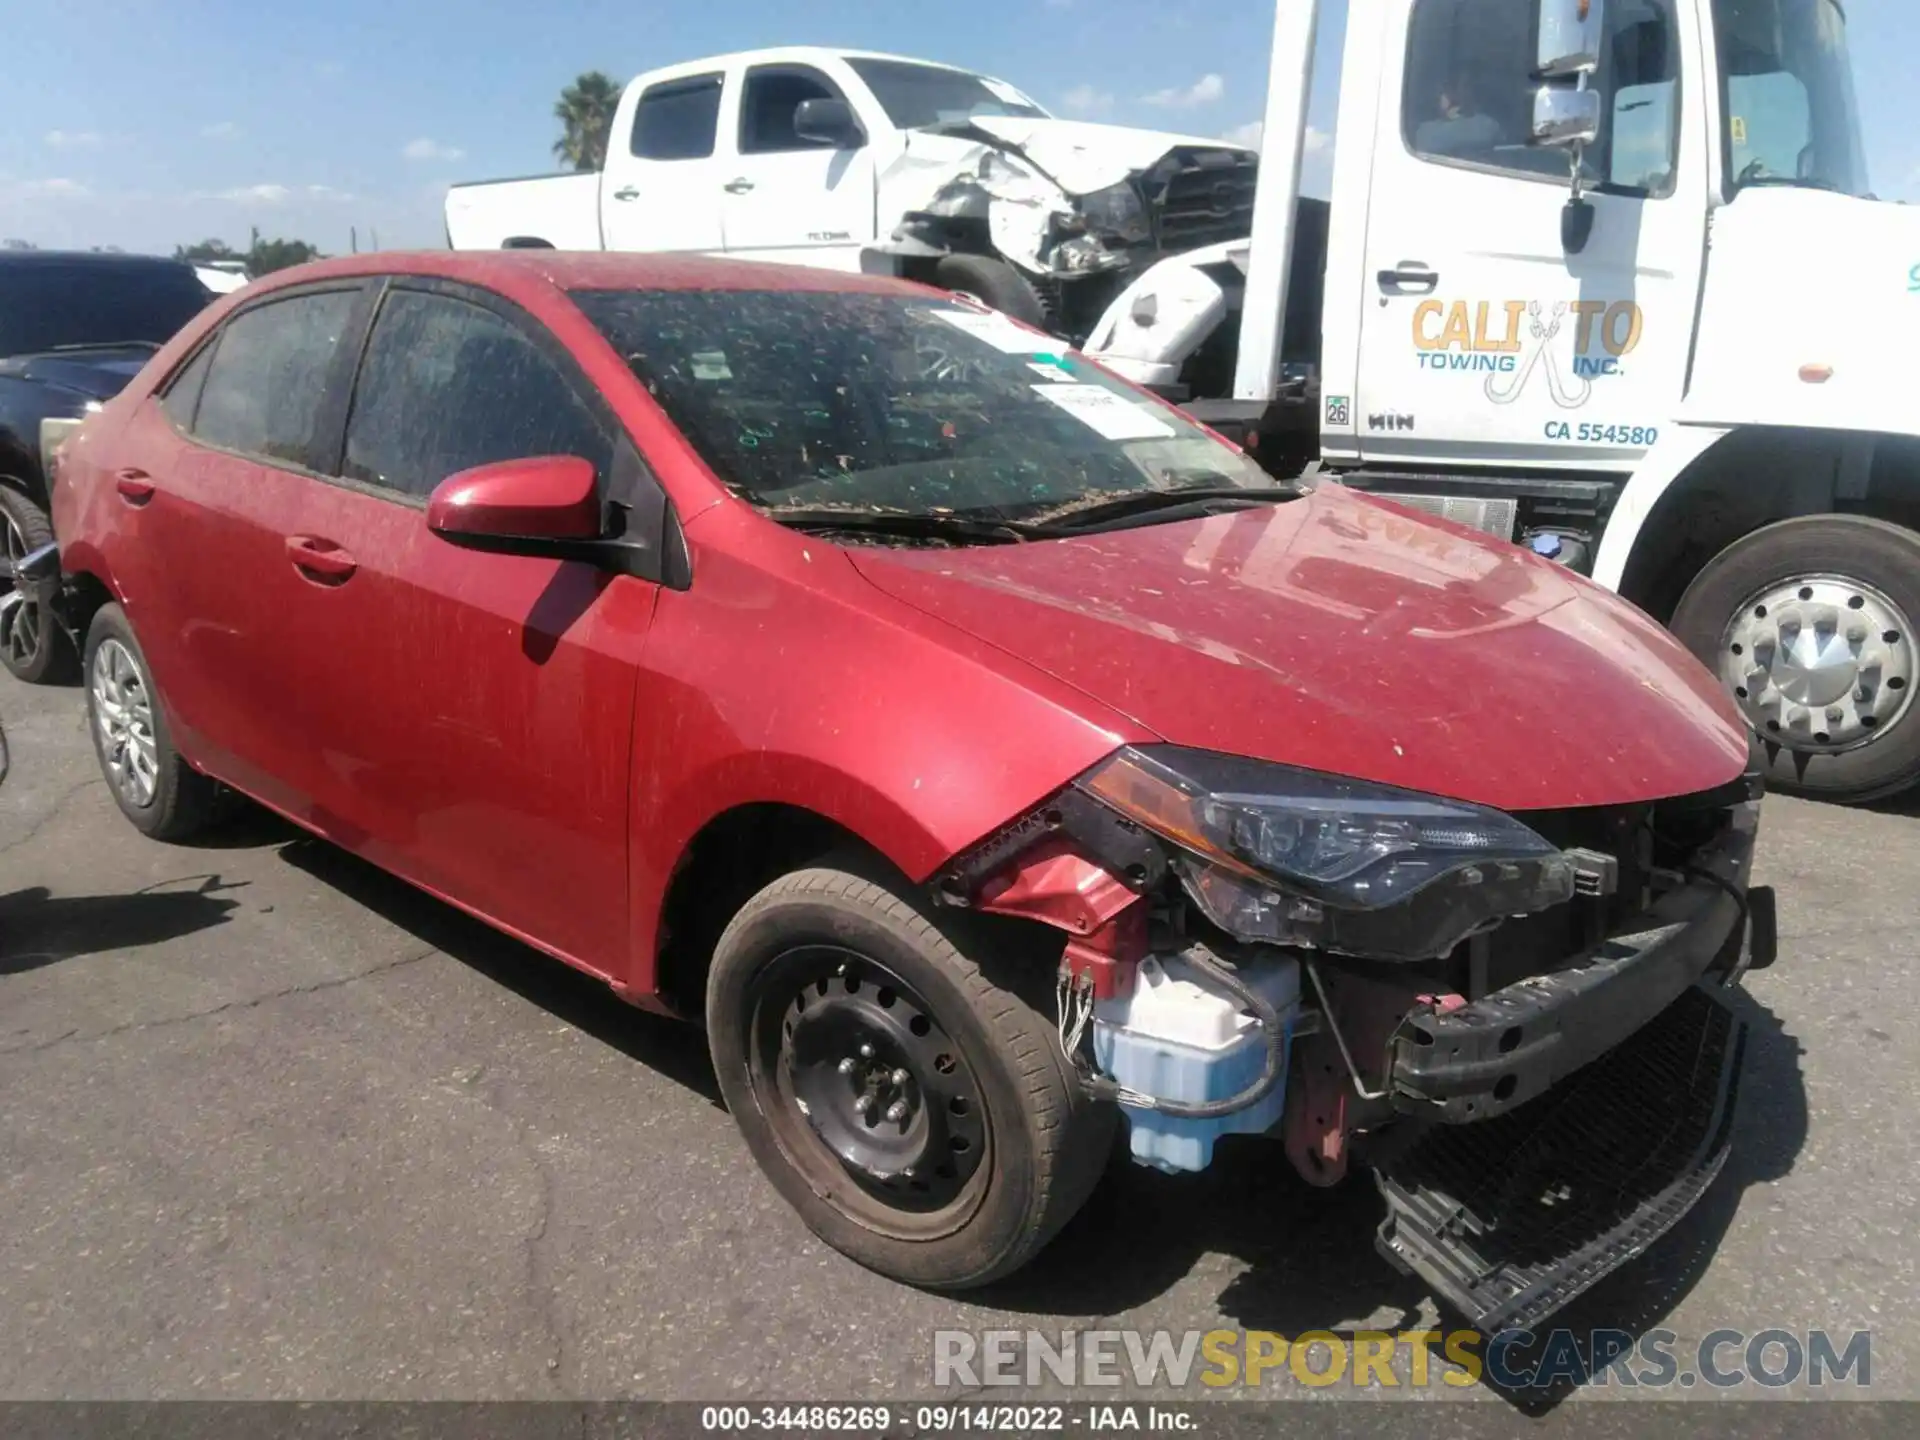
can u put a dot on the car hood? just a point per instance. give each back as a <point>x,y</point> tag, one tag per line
<point>1348,635</point>
<point>1084,157</point>
<point>97,374</point>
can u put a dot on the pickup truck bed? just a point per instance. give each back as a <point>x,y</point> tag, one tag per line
<point>563,210</point>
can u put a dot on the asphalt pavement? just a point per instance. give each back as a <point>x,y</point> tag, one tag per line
<point>273,1125</point>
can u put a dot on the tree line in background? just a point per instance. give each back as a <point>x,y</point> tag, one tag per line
<point>261,257</point>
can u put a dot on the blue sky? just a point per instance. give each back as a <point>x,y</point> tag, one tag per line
<point>146,123</point>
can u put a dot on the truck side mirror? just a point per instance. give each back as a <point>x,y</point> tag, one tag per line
<point>1570,33</point>
<point>1569,37</point>
<point>831,122</point>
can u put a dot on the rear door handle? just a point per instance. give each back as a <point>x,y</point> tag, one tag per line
<point>626,192</point>
<point>314,556</point>
<point>135,486</point>
<point>738,187</point>
<point>1409,278</point>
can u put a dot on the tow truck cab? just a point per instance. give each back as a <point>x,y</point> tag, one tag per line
<point>1600,277</point>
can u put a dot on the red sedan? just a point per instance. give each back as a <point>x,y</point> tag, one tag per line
<point>986,752</point>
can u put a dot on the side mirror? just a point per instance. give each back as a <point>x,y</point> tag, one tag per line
<point>1566,119</point>
<point>1570,35</point>
<point>547,505</point>
<point>831,122</point>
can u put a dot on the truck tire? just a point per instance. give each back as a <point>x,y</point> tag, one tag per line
<point>1808,623</point>
<point>33,647</point>
<point>164,797</point>
<point>918,1115</point>
<point>992,282</point>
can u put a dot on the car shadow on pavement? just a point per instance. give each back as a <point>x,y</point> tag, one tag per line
<point>670,1047</point>
<point>38,928</point>
<point>1308,1255</point>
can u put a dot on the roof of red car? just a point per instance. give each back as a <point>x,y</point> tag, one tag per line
<point>593,270</point>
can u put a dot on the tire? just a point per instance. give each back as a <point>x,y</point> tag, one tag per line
<point>178,801</point>
<point>1785,581</point>
<point>33,647</point>
<point>1014,1146</point>
<point>992,282</point>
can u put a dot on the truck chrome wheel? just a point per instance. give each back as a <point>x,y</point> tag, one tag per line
<point>123,711</point>
<point>1821,664</point>
<point>855,1061</point>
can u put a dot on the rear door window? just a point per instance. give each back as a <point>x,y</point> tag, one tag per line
<point>447,385</point>
<point>268,376</point>
<point>678,119</point>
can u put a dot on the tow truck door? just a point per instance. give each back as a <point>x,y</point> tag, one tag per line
<point>1481,338</point>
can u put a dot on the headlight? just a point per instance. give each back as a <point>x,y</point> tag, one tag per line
<point>1299,857</point>
<point>1117,210</point>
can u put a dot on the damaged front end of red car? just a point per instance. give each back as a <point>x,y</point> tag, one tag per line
<point>1516,1021</point>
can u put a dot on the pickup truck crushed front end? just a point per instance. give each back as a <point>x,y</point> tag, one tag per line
<point>1534,1053</point>
<point>1080,226</point>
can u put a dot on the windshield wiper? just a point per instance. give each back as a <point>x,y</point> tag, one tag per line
<point>910,525</point>
<point>148,345</point>
<point>1793,182</point>
<point>1087,515</point>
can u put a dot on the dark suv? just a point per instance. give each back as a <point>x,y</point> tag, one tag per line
<point>74,329</point>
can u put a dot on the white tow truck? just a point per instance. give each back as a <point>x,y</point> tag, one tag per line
<point>1603,277</point>
<point>857,161</point>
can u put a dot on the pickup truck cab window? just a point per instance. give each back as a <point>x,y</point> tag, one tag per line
<point>1470,87</point>
<point>772,94</point>
<point>447,385</point>
<point>916,97</point>
<point>268,376</point>
<point>678,119</point>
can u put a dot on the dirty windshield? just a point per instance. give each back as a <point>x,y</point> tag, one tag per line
<point>918,96</point>
<point>1791,114</point>
<point>903,405</point>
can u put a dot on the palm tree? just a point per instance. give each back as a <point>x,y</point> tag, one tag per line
<point>585,110</point>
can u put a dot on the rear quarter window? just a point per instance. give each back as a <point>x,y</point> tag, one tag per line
<point>268,376</point>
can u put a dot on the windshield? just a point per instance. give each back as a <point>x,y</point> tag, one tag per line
<point>1788,92</point>
<point>916,97</point>
<point>46,304</point>
<point>901,405</point>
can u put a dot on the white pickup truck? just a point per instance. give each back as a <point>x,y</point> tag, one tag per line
<point>857,161</point>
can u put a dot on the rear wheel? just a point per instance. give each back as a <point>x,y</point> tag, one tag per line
<point>1809,624</point>
<point>32,645</point>
<point>992,282</point>
<point>157,790</point>
<point>916,1114</point>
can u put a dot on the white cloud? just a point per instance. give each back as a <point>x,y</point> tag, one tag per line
<point>267,194</point>
<point>220,130</point>
<point>1087,100</point>
<point>1207,90</point>
<point>73,139</point>
<point>425,149</point>
<point>56,187</point>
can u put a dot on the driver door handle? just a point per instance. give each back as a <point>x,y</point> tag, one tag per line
<point>322,558</point>
<point>626,192</point>
<point>738,186</point>
<point>1410,277</point>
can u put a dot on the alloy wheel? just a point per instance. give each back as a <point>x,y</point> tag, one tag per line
<point>123,715</point>
<point>22,625</point>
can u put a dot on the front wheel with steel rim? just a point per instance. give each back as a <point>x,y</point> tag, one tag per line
<point>157,790</point>
<point>916,1113</point>
<point>1809,626</point>
<point>33,647</point>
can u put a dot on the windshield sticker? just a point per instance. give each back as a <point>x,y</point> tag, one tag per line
<point>711,365</point>
<point>1051,370</point>
<point>997,330</point>
<point>1112,416</point>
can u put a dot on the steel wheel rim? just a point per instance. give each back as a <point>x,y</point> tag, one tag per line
<point>916,1147</point>
<point>20,625</point>
<point>123,723</point>
<point>1820,664</point>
